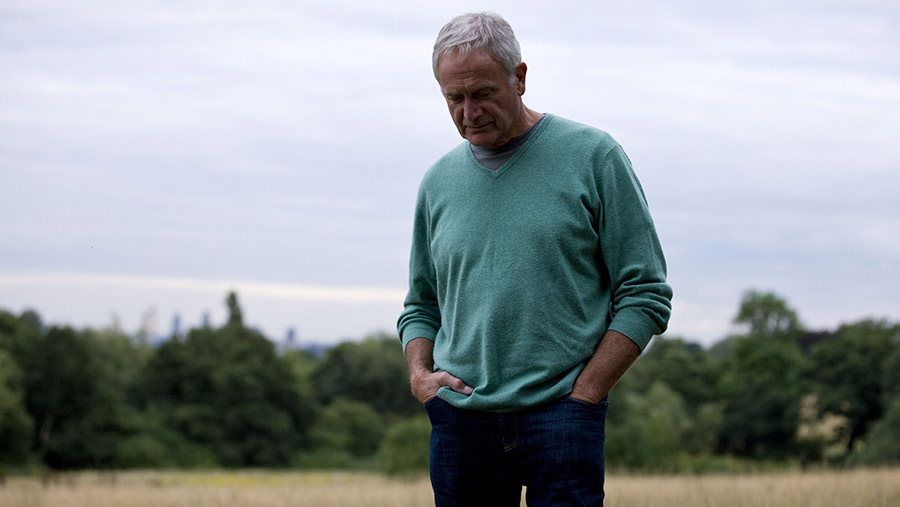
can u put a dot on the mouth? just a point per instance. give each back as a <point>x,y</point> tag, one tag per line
<point>474,129</point>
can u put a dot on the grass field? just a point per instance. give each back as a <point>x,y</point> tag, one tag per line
<point>858,488</point>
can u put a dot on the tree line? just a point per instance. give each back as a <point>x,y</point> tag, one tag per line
<point>230,397</point>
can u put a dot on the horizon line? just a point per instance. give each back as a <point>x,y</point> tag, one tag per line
<point>355,293</point>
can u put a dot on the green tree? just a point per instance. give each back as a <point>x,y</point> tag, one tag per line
<point>761,385</point>
<point>15,422</point>
<point>890,385</point>
<point>761,379</point>
<point>74,387</point>
<point>16,331</point>
<point>79,387</point>
<point>766,314</point>
<point>372,371</point>
<point>702,437</point>
<point>303,364</point>
<point>849,371</point>
<point>18,334</point>
<point>881,446</point>
<point>60,382</point>
<point>96,439</point>
<point>685,367</point>
<point>688,370</point>
<point>652,432</point>
<point>227,390</point>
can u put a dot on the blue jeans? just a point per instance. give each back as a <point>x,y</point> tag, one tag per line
<point>484,458</point>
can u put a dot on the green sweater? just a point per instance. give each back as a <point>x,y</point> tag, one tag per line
<point>516,274</point>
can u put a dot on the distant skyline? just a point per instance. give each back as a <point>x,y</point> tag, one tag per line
<point>156,155</point>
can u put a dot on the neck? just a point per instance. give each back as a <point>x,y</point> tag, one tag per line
<point>527,119</point>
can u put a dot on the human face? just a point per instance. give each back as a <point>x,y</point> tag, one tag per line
<point>484,102</point>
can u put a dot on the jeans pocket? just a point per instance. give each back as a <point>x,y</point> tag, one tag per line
<point>596,406</point>
<point>430,402</point>
<point>437,410</point>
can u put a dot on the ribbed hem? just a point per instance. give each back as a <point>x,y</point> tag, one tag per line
<point>415,330</point>
<point>636,326</point>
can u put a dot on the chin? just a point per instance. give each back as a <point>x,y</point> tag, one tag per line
<point>482,141</point>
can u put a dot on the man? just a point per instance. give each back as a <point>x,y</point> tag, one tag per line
<point>536,280</point>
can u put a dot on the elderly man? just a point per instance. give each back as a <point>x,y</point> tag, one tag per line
<point>536,280</point>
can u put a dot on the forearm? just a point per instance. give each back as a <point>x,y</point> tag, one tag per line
<point>420,356</point>
<point>612,358</point>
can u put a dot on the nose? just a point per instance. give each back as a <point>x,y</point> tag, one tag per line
<point>471,111</point>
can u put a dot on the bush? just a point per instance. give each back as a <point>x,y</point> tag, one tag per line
<point>654,434</point>
<point>404,450</point>
<point>350,426</point>
<point>145,451</point>
<point>325,459</point>
<point>882,445</point>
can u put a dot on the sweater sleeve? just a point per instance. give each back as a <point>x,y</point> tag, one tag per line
<point>421,316</point>
<point>641,298</point>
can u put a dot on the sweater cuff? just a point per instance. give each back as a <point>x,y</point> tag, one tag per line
<point>636,326</point>
<point>417,330</point>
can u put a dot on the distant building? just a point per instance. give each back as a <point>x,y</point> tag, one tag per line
<point>290,341</point>
<point>176,327</point>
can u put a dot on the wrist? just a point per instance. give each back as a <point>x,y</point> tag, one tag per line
<point>419,373</point>
<point>583,393</point>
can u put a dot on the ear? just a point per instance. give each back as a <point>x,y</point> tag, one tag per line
<point>521,69</point>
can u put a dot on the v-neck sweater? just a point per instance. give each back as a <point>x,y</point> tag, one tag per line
<point>516,273</point>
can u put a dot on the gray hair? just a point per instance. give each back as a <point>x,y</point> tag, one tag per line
<point>478,30</point>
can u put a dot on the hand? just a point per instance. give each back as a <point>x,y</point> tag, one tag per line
<point>425,385</point>
<point>423,380</point>
<point>613,357</point>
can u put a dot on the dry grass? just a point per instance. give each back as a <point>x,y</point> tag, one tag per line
<point>215,489</point>
<point>869,488</point>
<point>857,488</point>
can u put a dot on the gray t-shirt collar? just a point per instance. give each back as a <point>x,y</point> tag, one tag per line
<point>495,158</point>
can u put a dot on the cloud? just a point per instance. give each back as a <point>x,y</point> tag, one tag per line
<point>169,149</point>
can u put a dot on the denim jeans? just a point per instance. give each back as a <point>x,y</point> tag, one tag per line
<point>484,458</point>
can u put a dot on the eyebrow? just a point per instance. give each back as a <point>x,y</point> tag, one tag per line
<point>482,89</point>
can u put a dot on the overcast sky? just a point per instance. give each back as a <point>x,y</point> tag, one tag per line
<point>155,155</point>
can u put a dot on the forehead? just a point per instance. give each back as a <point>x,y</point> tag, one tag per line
<point>469,70</point>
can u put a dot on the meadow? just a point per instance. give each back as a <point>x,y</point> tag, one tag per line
<point>854,488</point>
